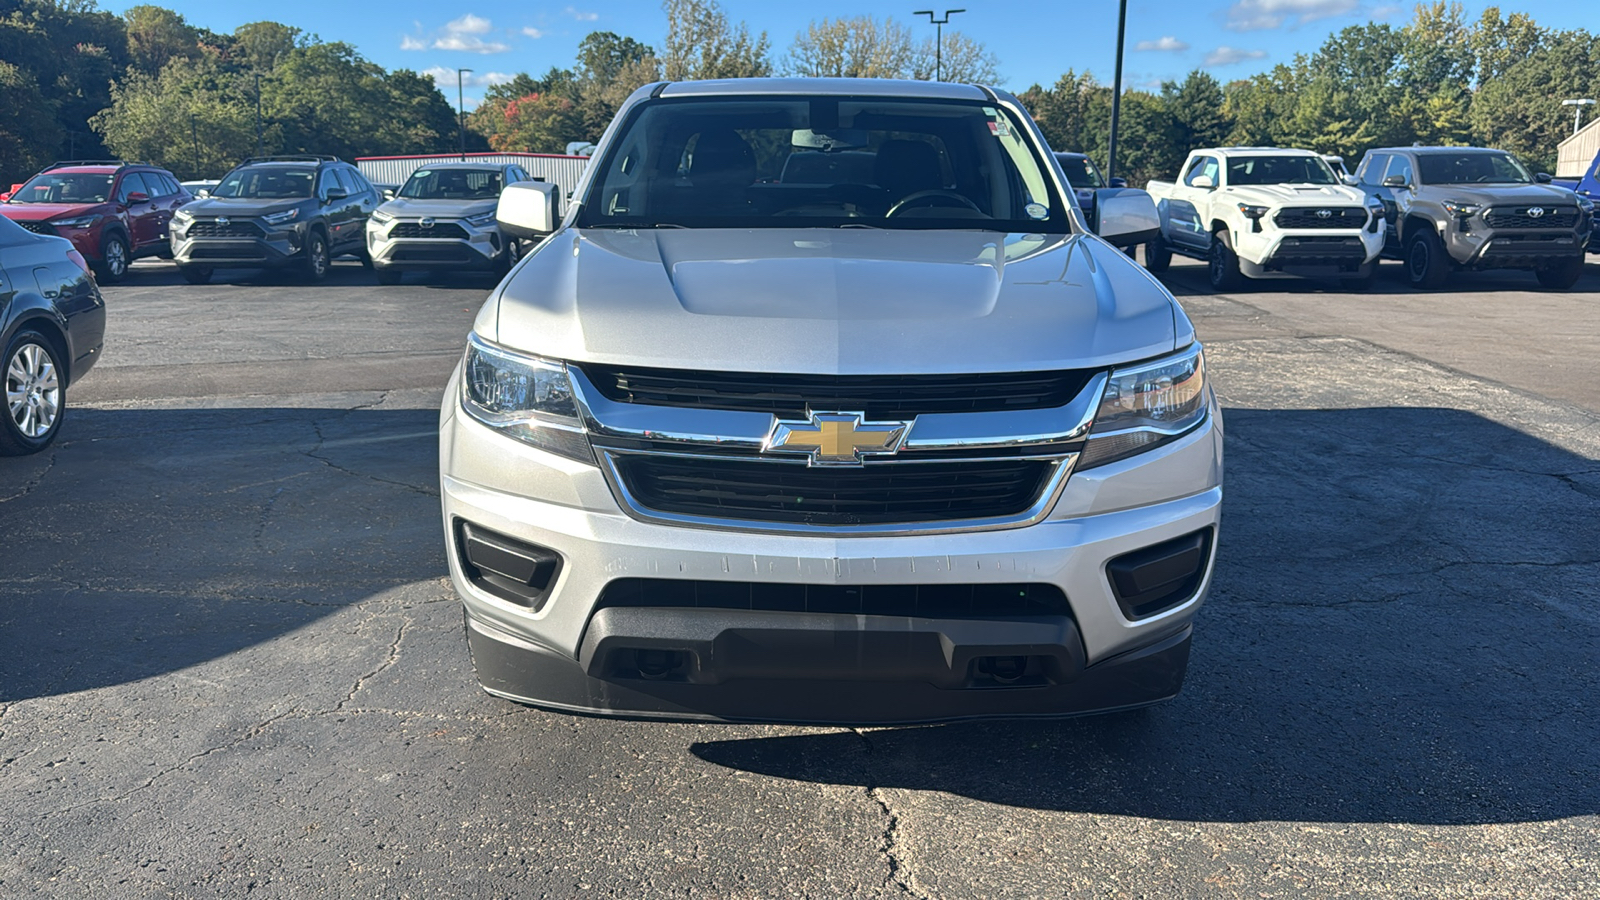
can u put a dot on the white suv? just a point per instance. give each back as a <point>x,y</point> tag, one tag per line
<point>443,217</point>
<point>901,445</point>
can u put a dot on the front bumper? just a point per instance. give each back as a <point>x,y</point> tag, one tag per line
<point>471,248</point>
<point>574,651</point>
<point>267,249</point>
<point>1308,253</point>
<point>1510,249</point>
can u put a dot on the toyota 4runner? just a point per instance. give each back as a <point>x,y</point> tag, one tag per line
<point>905,442</point>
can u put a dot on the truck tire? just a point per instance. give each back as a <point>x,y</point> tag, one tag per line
<point>1157,255</point>
<point>1427,265</point>
<point>1222,264</point>
<point>1562,275</point>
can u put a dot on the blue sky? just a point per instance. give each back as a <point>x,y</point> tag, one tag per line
<point>1035,41</point>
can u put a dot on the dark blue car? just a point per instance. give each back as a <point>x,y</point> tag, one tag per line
<point>1587,187</point>
<point>1085,179</point>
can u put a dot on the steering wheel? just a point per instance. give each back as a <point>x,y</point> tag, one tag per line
<point>924,195</point>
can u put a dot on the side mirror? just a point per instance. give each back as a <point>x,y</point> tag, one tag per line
<point>1349,180</point>
<point>1543,178</point>
<point>1398,181</point>
<point>138,197</point>
<point>388,193</point>
<point>1119,182</point>
<point>527,209</point>
<point>337,194</point>
<point>1203,181</point>
<point>1126,215</point>
<point>202,193</point>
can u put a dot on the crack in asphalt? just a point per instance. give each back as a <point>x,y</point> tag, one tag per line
<point>899,875</point>
<point>393,656</point>
<point>322,439</point>
<point>30,484</point>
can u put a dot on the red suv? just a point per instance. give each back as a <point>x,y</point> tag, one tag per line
<point>113,212</point>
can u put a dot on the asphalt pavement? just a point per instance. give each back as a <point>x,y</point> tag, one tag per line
<point>231,661</point>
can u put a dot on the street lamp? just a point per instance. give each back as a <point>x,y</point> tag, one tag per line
<point>1577,111</point>
<point>1116,93</point>
<point>461,112</point>
<point>938,40</point>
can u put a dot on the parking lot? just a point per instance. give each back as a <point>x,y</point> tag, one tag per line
<point>231,660</point>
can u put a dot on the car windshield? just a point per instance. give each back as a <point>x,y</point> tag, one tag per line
<point>1471,168</point>
<point>1279,170</point>
<point>265,183</point>
<point>786,162</point>
<point>69,188</point>
<point>452,184</point>
<point>1081,172</point>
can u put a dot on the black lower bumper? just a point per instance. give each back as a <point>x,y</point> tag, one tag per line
<point>740,665</point>
<point>1514,251</point>
<point>242,254</point>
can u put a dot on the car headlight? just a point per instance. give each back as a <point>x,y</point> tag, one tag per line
<point>523,397</point>
<point>481,220</point>
<point>1253,212</point>
<point>182,217</point>
<point>1460,209</point>
<point>280,218</point>
<point>381,217</point>
<point>1147,405</point>
<point>79,222</point>
<point>1585,204</point>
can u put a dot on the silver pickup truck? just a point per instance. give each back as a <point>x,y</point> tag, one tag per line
<point>885,437</point>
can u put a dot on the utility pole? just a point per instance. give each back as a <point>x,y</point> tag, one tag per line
<point>1116,92</point>
<point>938,40</point>
<point>1577,111</point>
<point>194,136</point>
<point>461,112</point>
<point>258,115</point>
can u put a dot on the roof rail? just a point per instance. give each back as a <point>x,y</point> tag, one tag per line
<point>63,163</point>
<point>302,157</point>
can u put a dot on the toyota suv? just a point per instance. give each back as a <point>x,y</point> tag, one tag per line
<point>1449,208</point>
<point>443,218</point>
<point>906,442</point>
<point>276,212</point>
<point>113,212</point>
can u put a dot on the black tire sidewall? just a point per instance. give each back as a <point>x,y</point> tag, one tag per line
<point>12,441</point>
<point>313,241</point>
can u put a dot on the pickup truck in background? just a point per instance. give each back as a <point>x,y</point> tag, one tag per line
<point>1587,186</point>
<point>1449,208</point>
<point>1265,212</point>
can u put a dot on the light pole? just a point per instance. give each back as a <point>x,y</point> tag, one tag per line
<point>1577,111</point>
<point>461,112</point>
<point>938,39</point>
<point>258,114</point>
<point>1116,93</point>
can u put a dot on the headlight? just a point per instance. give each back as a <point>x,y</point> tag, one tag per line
<point>79,222</point>
<point>182,217</point>
<point>381,217</point>
<point>482,220</point>
<point>1253,212</point>
<point>523,397</point>
<point>1459,209</point>
<point>1148,405</point>
<point>1585,204</point>
<point>279,218</point>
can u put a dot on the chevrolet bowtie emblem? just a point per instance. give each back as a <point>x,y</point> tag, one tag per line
<point>836,439</point>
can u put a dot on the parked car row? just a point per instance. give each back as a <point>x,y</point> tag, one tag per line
<point>1267,212</point>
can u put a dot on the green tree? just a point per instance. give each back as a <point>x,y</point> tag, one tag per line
<point>962,59</point>
<point>157,36</point>
<point>28,130</point>
<point>702,44</point>
<point>1197,108</point>
<point>857,47</point>
<point>610,67</point>
<point>1521,110</point>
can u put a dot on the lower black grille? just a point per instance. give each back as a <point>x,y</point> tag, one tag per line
<point>931,601</point>
<point>1312,217</point>
<point>1521,217</point>
<point>202,228</point>
<point>447,253</point>
<point>878,396</point>
<point>38,228</point>
<point>246,252</point>
<point>881,494</point>
<point>447,230</point>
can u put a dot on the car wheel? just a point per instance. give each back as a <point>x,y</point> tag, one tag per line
<point>35,396</point>
<point>509,258</point>
<point>1426,263</point>
<point>388,274</point>
<point>113,265</point>
<point>1222,264</point>
<point>1562,275</point>
<point>315,264</point>
<point>195,274</point>
<point>1157,255</point>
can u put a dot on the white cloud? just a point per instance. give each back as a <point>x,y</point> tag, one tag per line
<point>469,43</point>
<point>468,24</point>
<point>446,78</point>
<point>1259,15</point>
<point>581,15</point>
<point>1227,56</point>
<point>532,32</point>
<point>1166,44</point>
<point>1386,12</point>
<point>410,43</point>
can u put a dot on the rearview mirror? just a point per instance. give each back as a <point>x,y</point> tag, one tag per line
<point>833,139</point>
<point>138,197</point>
<point>1126,215</point>
<point>1398,181</point>
<point>1119,181</point>
<point>1203,181</point>
<point>337,194</point>
<point>527,209</point>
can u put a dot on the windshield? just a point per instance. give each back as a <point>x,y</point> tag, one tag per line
<point>267,184</point>
<point>1279,170</point>
<point>1081,173</point>
<point>787,162</point>
<point>48,188</point>
<point>1471,168</point>
<point>452,184</point>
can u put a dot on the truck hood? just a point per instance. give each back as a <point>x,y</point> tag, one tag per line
<point>834,301</point>
<point>1504,194</point>
<point>40,212</point>
<point>1298,194</point>
<point>240,206</point>
<point>438,209</point>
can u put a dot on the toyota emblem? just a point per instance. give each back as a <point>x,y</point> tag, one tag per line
<point>1535,212</point>
<point>224,221</point>
<point>1324,213</point>
<point>426,223</point>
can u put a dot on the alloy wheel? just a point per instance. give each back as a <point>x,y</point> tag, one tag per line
<point>116,258</point>
<point>33,392</point>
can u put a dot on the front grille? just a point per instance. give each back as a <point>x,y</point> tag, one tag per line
<point>447,253</point>
<point>794,494</point>
<point>1518,217</point>
<point>1338,217</point>
<point>878,396</point>
<point>446,231</point>
<point>932,601</point>
<point>249,252</point>
<point>210,228</point>
<point>38,228</point>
